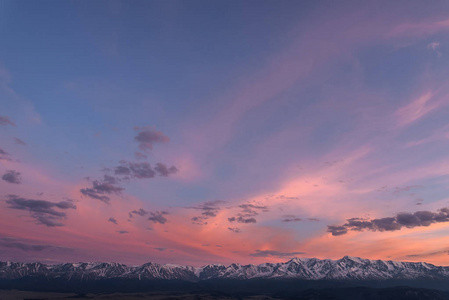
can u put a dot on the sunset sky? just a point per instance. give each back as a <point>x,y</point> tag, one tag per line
<point>197,132</point>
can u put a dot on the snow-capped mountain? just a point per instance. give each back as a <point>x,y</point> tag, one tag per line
<point>347,268</point>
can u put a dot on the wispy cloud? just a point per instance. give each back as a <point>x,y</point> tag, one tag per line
<point>416,109</point>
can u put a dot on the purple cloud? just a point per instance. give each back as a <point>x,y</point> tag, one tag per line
<point>408,220</point>
<point>12,176</point>
<point>147,137</point>
<point>44,212</point>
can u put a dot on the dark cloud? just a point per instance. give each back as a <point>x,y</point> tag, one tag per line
<point>247,213</point>
<point>158,217</point>
<point>163,170</point>
<point>291,218</point>
<point>209,210</point>
<point>241,219</point>
<point>141,212</point>
<point>160,249</point>
<point>272,253</point>
<point>135,169</point>
<point>122,231</point>
<point>141,170</point>
<point>408,220</point>
<point>23,245</point>
<point>111,219</point>
<point>44,212</point>
<point>12,176</point>
<point>4,120</point>
<point>19,141</point>
<point>147,137</point>
<point>234,229</point>
<point>100,188</point>
<point>337,230</point>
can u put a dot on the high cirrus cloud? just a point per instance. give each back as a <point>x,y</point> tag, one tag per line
<point>148,136</point>
<point>44,212</point>
<point>408,220</point>
<point>12,176</point>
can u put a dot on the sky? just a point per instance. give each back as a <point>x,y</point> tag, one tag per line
<point>198,132</point>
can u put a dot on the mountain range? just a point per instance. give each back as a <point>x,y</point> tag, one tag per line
<point>346,268</point>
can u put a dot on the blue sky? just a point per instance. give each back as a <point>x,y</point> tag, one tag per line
<point>255,126</point>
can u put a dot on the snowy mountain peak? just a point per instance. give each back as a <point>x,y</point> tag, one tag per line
<point>346,268</point>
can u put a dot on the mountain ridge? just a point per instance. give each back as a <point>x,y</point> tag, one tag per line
<point>346,268</point>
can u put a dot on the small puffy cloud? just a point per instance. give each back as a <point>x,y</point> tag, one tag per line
<point>408,220</point>
<point>4,120</point>
<point>234,229</point>
<point>160,249</point>
<point>112,220</point>
<point>158,217</point>
<point>147,137</point>
<point>44,212</point>
<point>272,253</point>
<point>12,176</point>
<point>122,231</point>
